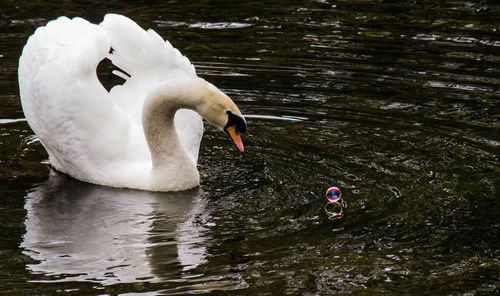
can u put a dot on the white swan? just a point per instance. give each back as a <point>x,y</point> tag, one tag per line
<point>144,134</point>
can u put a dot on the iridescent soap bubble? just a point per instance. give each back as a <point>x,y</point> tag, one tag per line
<point>333,194</point>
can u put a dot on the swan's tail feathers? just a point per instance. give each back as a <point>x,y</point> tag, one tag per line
<point>139,52</point>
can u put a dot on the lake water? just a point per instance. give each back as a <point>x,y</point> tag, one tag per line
<point>397,104</point>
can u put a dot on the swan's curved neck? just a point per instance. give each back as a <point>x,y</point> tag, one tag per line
<point>169,159</point>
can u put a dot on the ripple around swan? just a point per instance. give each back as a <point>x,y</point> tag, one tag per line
<point>203,25</point>
<point>219,25</point>
<point>7,121</point>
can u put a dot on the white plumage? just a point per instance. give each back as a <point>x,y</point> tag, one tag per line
<point>93,135</point>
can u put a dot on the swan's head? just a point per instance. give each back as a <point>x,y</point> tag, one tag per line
<point>218,109</point>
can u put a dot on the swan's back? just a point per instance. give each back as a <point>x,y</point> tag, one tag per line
<point>89,133</point>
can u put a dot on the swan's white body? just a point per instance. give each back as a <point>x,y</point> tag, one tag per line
<point>99,137</point>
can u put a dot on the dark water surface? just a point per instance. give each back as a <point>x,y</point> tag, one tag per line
<point>398,106</point>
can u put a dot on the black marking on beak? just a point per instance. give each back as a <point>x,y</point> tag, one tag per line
<point>235,120</point>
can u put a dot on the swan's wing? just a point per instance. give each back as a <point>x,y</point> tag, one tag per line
<point>63,100</point>
<point>146,61</point>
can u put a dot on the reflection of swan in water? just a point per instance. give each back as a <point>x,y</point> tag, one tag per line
<point>85,232</point>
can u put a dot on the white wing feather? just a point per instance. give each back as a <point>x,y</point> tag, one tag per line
<point>87,131</point>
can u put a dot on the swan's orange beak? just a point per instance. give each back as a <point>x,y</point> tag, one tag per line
<point>235,136</point>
